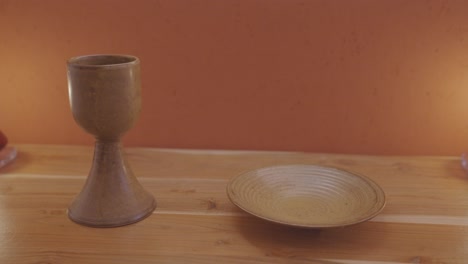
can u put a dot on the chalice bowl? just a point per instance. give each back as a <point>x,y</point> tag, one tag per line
<point>105,99</point>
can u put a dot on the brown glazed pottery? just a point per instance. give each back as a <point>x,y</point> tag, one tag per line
<point>308,196</point>
<point>105,99</point>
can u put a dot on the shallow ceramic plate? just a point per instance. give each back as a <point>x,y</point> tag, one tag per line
<point>307,196</point>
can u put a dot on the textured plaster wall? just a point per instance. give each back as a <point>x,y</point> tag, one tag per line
<point>348,76</point>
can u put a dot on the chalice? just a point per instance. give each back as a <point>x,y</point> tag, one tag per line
<point>105,99</point>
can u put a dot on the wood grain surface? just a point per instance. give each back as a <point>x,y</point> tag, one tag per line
<point>425,220</point>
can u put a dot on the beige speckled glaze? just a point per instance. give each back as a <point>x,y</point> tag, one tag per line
<point>105,99</point>
<point>307,196</point>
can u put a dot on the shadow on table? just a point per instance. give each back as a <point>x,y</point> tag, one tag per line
<point>276,240</point>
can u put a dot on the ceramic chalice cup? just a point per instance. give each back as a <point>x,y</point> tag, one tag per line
<point>105,99</point>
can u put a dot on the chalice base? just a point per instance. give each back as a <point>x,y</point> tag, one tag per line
<point>112,195</point>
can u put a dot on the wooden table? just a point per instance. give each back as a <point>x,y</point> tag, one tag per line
<point>425,220</point>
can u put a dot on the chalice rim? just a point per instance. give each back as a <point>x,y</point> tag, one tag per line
<point>77,61</point>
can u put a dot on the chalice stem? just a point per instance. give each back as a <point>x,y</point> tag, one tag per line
<point>111,196</point>
<point>110,172</point>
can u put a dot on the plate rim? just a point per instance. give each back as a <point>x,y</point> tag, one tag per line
<point>376,187</point>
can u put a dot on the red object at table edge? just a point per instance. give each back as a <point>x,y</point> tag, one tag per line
<point>3,140</point>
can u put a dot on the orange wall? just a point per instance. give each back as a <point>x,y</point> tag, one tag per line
<point>349,76</point>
